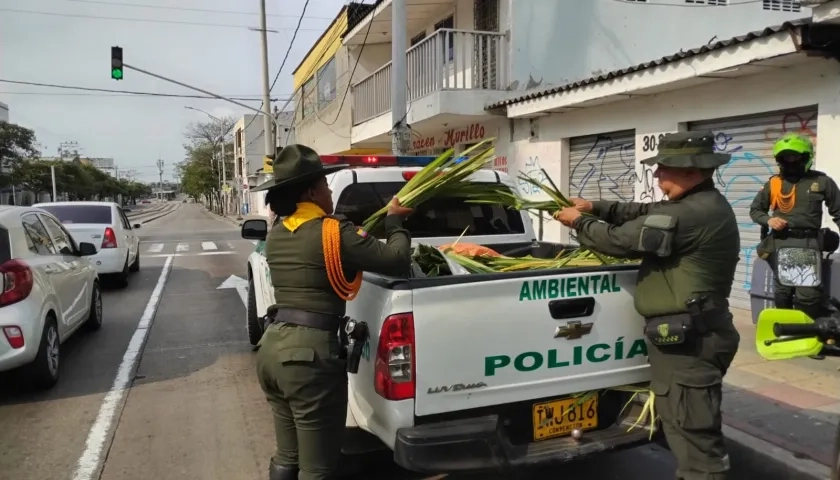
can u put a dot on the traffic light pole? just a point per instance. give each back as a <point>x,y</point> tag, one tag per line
<point>176,82</point>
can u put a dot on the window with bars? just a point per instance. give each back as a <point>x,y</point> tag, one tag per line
<point>308,97</point>
<point>782,5</point>
<point>326,84</point>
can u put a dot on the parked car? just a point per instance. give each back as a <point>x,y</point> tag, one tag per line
<point>48,290</point>
<point>105,225</point>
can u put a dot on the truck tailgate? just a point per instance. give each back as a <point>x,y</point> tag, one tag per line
<point>497,342</point>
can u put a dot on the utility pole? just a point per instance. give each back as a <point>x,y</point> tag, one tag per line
<point>224,170</point>
<point>160,174</point>
<point>52,173</point>
<point>401,134</point>
<point>267,119</point>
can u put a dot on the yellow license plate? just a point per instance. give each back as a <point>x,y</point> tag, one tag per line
<point>559,417</point>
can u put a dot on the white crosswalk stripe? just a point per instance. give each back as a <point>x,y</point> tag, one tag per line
<point>195,248</point>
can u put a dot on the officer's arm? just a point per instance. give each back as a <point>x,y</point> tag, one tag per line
<point>761,205</point>
<point>619,212</point>
<point>832,199</point>
<point>645,235</point>
<point>361,251</point>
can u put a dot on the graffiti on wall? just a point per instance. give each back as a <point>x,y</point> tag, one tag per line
<point>534,170</point>
<point>730,181</point>
<point>589,171</point>
<point>794,122</point>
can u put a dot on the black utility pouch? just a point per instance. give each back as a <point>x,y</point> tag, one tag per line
<point>668,330</point>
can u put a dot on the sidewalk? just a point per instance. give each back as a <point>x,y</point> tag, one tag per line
<point>792,405</point>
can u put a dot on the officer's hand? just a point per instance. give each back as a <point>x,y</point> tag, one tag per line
<point>582,205</point>
<point>567,216</point>
<point>777,223</point>
<point>394,208</point>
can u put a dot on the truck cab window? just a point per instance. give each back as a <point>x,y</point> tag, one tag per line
<point>434,218</point>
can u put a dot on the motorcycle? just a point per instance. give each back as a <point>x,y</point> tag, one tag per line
<point>783,334</point>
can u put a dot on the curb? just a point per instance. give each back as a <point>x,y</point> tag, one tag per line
<point>771,461</point>
<point>237,223</point>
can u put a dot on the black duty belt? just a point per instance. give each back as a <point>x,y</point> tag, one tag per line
<point>320,321</point>
<point>799,233</point>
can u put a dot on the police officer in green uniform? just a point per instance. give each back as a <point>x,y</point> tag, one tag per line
<point>795,198</point>
<point>315,263</point>
<point>689,248</point>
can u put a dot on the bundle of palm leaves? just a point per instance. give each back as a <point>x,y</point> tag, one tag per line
<point>445,176</point>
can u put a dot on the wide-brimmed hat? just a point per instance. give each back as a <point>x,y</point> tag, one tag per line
<point>295,164</point>
<point>688,150</point>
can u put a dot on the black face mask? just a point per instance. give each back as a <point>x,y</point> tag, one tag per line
<point>793,170</point>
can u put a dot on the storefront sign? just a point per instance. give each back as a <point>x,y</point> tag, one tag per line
<point>451,137</point>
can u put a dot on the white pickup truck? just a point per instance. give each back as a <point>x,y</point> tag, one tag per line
<point>474,372</point>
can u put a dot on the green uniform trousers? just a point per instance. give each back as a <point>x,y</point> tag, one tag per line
<point>305,383</point>
<point>687,382</point>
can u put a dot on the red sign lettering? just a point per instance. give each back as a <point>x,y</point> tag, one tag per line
<point>463,135</point>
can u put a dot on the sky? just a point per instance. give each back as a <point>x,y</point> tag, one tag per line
<point>209,46</point>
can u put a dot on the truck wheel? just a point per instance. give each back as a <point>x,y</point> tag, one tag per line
<point>252,322</point>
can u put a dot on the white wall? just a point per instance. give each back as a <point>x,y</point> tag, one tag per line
<point>555,42</point>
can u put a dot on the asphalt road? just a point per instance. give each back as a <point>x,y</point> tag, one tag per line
<point>194,409</point>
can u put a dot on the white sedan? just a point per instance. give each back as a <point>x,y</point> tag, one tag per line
<point>48,290</point>
<point>105,225</point>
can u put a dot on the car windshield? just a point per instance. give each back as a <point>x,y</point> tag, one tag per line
<point>434,218</point>
<point>70,214</point>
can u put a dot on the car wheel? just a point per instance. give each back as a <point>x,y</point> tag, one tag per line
<point>94,320</point>
<point>135,266</point>
<point>43,372</point>
<point>252,321</point>
<point>122,277</point>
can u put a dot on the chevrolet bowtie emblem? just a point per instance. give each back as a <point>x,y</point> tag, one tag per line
<point>573,330</point>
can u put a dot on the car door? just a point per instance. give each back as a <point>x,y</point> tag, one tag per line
<point>76,296</point>
<point>49,264</point>
<point>130,235</point>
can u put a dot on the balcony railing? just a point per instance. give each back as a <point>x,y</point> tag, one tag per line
<point>447,60</point>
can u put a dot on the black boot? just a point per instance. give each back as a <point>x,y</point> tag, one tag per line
<point>279,472</point>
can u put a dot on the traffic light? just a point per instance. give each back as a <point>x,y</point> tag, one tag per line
<point>116,63</point>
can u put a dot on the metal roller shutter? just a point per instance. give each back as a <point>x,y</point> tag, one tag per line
<point>749,139</point>
<point>602,167</point>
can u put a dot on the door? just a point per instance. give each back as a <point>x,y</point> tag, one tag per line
<point>48,263</point>
<point>74,293</point>
<point>486,48</point>
<point>749,139</point>
<point>130,236</point>
<point>603,167</point>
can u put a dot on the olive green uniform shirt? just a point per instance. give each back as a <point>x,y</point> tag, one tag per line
<point>814,190</point>
<point>298,272</point>
<point>688,247</point>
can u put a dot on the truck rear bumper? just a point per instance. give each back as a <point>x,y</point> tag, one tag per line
<point>480,444</point>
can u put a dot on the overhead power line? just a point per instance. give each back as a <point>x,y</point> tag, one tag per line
<point>127,92</point>
<point>188,9</point>
<point>283,63</point>
<point>145,20</point>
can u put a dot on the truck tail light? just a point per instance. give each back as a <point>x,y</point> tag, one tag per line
<point>15,336</point>
<point>394,377</point>
<point>110,238</point>
<point>16,282</point>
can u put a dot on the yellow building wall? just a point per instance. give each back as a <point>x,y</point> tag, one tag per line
<point>322,52</point>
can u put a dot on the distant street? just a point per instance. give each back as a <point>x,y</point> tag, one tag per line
<point>194,410</point>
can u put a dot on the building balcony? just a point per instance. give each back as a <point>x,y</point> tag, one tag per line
<point>451,72</point>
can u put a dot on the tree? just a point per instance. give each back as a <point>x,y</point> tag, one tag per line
<point>17,145</point>
<point>200,172</point>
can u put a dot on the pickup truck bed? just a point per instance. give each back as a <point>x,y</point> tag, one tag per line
<point>494,359</point>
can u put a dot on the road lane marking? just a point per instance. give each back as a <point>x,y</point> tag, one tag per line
<point>92,459</point>
<point>182,247</point>
<point>208,246</point>
<point>200,254</point>
<point>155,248</point>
